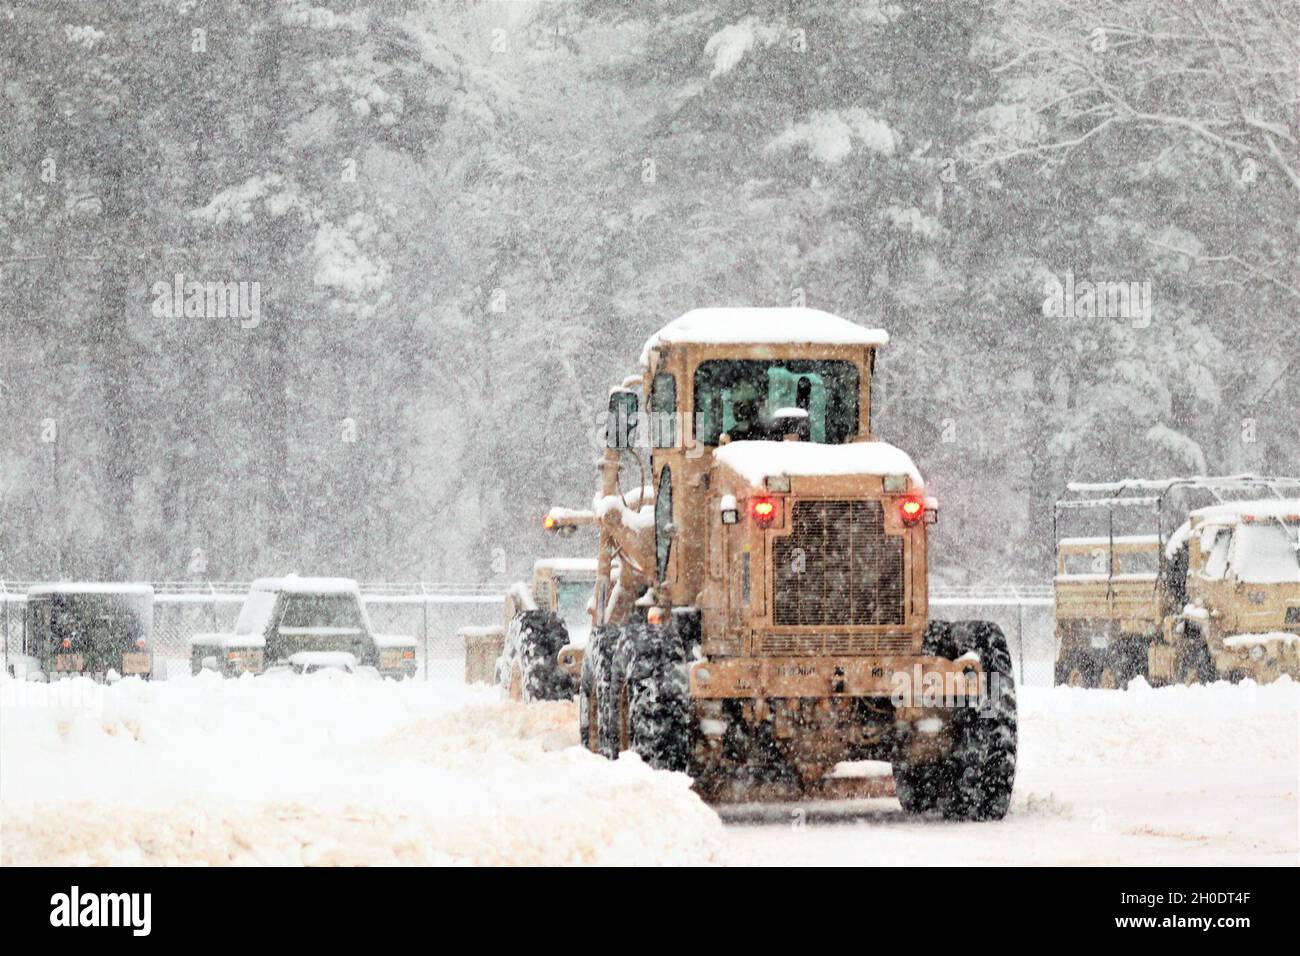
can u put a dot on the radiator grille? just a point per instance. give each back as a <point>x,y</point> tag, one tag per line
<point>837,567</point>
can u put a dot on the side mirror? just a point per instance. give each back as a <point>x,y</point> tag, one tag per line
<point>620,426</point>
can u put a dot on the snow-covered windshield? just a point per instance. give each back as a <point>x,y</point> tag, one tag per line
<point>741,396</point>
<point>1265,554</point>
<point>94,618</point>
<point>256,612</point>
<point>571,599</point>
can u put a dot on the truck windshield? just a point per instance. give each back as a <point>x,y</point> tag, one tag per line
<point>94,619</point>
<point>1265,554</point>
<point>571,599</point>
<point>320,610</point>
<point>741,397</point>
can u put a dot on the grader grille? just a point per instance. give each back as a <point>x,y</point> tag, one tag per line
<point>838,567</point>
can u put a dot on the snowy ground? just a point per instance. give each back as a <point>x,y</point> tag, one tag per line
<point>330,769</point>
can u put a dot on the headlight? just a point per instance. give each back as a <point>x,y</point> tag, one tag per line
<point>1257,652</point>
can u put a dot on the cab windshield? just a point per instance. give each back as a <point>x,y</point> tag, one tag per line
<point>571,599</point>
<point>762,400</point>
<point>1265,554</point>
<point>320,610</point>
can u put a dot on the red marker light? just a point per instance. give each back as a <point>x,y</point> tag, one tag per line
<point>764,511</point>
<point>912,509</point>
<point>67,642</point>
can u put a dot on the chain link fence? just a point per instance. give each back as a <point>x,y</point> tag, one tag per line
<point>1025,615</point>
<point>433,613</point>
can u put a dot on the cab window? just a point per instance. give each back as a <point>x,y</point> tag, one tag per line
<point>663,411</point>
<point>664,521</point>
<point>742,398</point>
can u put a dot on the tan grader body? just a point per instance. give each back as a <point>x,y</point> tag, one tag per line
<point>770,618</point>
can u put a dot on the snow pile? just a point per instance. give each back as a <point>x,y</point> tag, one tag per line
<point>1218,724</point>
<point>776,326</point>
<point>756,460</point>
<point>324,769</point>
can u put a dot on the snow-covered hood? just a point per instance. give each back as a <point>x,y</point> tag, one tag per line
<point>388,641</point>
<point>756,461</point>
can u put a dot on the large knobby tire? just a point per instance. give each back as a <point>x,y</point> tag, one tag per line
<point>542,637</point>
<point>586,700</point>
<point>531,654</point>
<point>655,695</point>
<point>604,687</point>
<point>974,782</point>
<point>1194,664</point>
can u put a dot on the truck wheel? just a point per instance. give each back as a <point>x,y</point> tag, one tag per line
<point>653,673</point>
<point>605,687</point>
<point>541,637</point>
<point>586,701</point>
<point>1194,663</point>
<point>974,782</point>
<point>984,755</point>
<point>918,787</point>
<point>1077,670</point>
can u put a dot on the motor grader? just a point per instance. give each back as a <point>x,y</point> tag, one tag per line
<point>769,618</point>
<point>540,621</point>
<point>1203,593</point>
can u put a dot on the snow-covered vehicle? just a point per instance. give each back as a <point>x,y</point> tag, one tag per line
<point>303,625</point>
<point>1160,603</point>
<point>770,616</point>
<point>1240,613</point>
<point>1108,608</point>
<point>94,630</point>
<point>545,629</point>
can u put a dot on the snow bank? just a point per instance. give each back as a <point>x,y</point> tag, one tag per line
<point>756,460</point>
<point>1214,724</point>
<point>730,326</point>
<point>324,769</point>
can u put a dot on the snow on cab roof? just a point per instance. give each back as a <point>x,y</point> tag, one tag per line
<point>90,587</point>
<point>566,564</point>
<point>756,460</point>
<point>726,326</point>
<point>1231,512</point>
<point>294,584</point>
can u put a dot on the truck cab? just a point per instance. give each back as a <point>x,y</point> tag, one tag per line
<point>93,630</point>
<point>1242,613</point>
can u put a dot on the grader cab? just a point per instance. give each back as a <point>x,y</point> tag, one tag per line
<point>769,619</point>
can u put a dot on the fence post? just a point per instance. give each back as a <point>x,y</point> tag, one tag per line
<point>4,599</point>
<point>424,606</point>
<point>1020,637</point>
